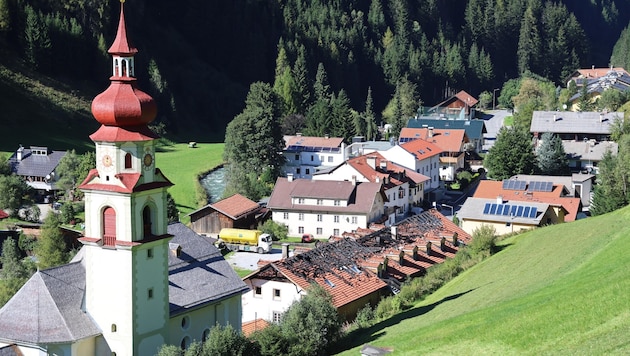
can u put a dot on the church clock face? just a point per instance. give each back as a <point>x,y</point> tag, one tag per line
<point>147,160</point>
<point>107,160</point>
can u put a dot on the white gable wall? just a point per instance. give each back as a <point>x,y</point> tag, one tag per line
<point>264,305</point>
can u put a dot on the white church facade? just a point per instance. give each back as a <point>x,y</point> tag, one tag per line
<point>137,283</point>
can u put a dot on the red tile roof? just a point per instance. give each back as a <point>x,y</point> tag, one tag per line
<point>3,214</point>
<point>250,327</point>
<point>447,139</point>
<point>422,149</point>
<point>385,169</point>
<point>597,72</point>
<point>466,98</point>
<point>489,189</point>
<point>128,182</point>
<point>236,206</point>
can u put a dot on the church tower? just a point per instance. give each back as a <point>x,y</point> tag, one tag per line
<point>126,239</point>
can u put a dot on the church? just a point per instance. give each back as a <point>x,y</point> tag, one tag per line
<point>137,283</point>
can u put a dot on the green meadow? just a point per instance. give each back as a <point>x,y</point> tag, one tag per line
<point>558,290</point>
<point>183,165</point>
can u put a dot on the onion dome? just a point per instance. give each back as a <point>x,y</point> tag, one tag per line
<point>122,104</point>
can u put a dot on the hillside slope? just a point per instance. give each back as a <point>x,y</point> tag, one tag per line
<point>557,290</point>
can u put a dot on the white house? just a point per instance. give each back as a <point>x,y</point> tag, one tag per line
<point>325,208</point>
<point>403,187</point>
<point>137,282</point>
<point>306,155</point>
<point>420,156</point>
<point>38,166</point>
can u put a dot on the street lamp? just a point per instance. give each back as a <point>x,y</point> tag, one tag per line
<point>450,207</point>
<point>494,96</point>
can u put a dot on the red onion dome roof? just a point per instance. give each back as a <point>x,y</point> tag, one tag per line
<point>122,104</point>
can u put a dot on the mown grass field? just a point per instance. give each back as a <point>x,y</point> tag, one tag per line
<point>560,290</point>
<point>182,165</point>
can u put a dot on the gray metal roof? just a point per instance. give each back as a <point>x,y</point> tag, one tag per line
<point>573,122</point>
<point>200,275</point>
<point>48,308</point>
<point>35,165</point>
<point>474,128</point>
<point>473,209</point>
<point>588,150</point>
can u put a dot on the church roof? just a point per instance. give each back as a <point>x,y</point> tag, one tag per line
<point>48,308</point>
<point>200,275</point>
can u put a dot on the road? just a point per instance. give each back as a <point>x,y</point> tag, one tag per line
<point>249,260</point>
<point>494,121</point>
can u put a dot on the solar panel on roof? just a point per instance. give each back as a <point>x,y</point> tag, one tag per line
<point>506,210</point>
<point>532,213</point>
<point>519,212</point>
<point>493,209</point>
<point>513,210</point>
<point>499,210</point>
<point>548,186</point>
<point>526,211</point>
<point>506,184</point>
<point>486,209</point>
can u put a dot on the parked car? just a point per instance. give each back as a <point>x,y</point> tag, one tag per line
<point>306,238</point>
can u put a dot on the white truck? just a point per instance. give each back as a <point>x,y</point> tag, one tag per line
<point>244,240</point>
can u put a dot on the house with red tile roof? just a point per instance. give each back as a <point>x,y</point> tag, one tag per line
<point>513,205</point>
<point>233,212</point>
<point>325,208</point>
<point>306,155</point>
<point>580,76</point>
<point>461,104</point>
<point>355,271</point>
<point>403,187</point>
<point>451,141</point>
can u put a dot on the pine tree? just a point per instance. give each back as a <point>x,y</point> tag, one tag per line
<point>550,156</point>
<point>321,86</point>
<point>341,116</point>
<point>371,128</point>
<point>529,43</point>
<point>302,85</point>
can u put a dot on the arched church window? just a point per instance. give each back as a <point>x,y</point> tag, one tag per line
<point>115,67</point>
<point>109,226</point>
<point>146,220</point>
<point>124,68</point>
<point>128,160</point>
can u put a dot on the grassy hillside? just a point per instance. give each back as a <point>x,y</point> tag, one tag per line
<point>182,165</point>
<point>557,290</point>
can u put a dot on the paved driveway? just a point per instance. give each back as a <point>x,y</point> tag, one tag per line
<point>249,260</point>
<point>493,121</point>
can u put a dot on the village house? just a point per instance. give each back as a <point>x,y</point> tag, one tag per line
<point>422,157</point>
<point>325,208</point>
<point>306,155</point>
<point>585,135</point>
<point>37,165</point>
<point>233,212</point>
<point>403,187</point>
<point>452,142</point>
<point>577,185</point>
<point>355,271</point>
<point>474,128</point>
<point>135,285</point>
<point>512,205</point>
<point>597,80</point>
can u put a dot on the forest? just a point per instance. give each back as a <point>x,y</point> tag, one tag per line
<point>199,58</point>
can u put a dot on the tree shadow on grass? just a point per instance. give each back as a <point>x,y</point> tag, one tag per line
<point>363,336</point>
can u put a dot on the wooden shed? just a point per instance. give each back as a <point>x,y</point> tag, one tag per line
<point>234,212</point>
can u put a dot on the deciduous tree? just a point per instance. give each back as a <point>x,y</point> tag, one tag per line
<point>511,154</point>
<point>51,249</point>
<point>15,193</point>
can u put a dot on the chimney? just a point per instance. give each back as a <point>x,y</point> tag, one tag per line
<point>176,249</point>
<point>394,232</point>
<point>19,153</point>
<point>383,164</point>
<point>455,241</point>
<point>401,258</point>
<point>430,131</point>
<point>429,248</point>
<point>500,199</point>
<point>285,250</point>
<point>327,136</point>
<point>371,161</point>
<point>290,177</point>
<point>354,180</point>
<point>443,244</point>
<point>298,134</point>
<point>415,253</point>
<point>555,117</point>
<point>378,240</point>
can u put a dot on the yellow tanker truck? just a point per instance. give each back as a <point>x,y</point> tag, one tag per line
<point>245,240</point>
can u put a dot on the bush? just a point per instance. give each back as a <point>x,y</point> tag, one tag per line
<point>365,317</point>
<point>483,241</point>
<point>277,231</point>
